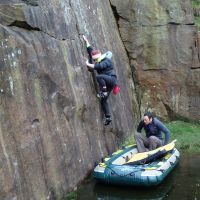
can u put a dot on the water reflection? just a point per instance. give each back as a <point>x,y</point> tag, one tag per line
<point>187,183</point>
<point>183,183</point>
<point>106,192</point>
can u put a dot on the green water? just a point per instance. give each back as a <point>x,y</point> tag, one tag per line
<point>182,184</point>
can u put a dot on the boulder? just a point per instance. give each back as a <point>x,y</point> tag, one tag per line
<point>162,44</point>
<point>51,128</point>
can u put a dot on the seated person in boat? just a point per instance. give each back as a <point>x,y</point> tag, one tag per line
<point>153,129</point>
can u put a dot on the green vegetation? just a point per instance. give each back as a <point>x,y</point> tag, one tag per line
<point>196,3</point>
<point>71,196</point>
<point>196,6</point>
<point>197,22</point>
<point>127,141</point>
<point>187,135</point>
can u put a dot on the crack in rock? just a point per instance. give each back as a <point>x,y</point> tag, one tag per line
<point>26,26</point>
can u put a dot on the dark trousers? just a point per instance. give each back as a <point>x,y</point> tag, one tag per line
<point>105,106</point>
<point>108,81</point>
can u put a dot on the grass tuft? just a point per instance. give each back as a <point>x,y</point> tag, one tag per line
<point>196,3</point>
<point>197,22</point>
<point>187,135</point>
<point>71,196</point>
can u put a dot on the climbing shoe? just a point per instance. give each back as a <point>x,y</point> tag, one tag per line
<point>107,121</point>
<point>102,95</point>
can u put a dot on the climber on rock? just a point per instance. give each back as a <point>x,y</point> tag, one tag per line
<point>106,76</point>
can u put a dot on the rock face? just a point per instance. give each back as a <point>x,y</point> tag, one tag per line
<point>163,48</point>
<point>51,130</point>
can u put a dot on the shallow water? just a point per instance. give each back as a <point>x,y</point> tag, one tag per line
<point>182,183</point>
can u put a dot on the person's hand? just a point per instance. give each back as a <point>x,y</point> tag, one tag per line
<point>84,37</point>
<point>86,41</point>
<point>89,64</point>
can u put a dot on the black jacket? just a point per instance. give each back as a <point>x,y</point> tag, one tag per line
<point>105,66</point>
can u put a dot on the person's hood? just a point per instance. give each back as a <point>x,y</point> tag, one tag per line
<point>108,54</point>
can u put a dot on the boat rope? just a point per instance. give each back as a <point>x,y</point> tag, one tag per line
<point>133,172</point>
<point>128,174</point>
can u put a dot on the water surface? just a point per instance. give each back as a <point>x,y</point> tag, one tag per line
<point>183,183</point>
